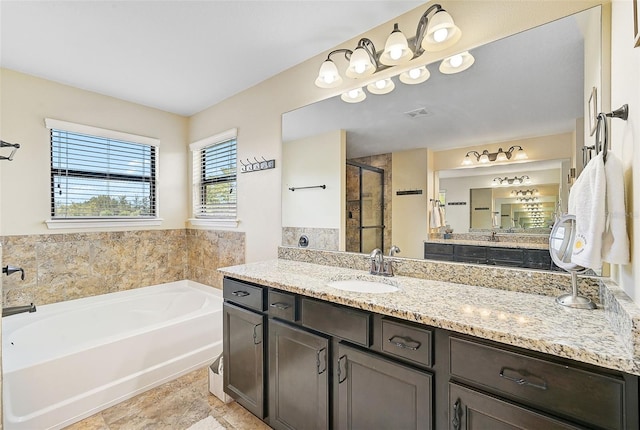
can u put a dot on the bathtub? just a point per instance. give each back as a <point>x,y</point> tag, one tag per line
<point>72,359</point>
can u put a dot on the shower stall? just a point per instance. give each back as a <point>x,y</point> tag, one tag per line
<point>365,208</point>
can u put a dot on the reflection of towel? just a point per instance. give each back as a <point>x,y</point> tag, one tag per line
<point>586,202</point>
<point>435,216</point>
<point>615,242</point>
<point>443,221</point>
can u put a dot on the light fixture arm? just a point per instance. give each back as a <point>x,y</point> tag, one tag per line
<point>370,48</point>
<point>347,53</point>
<point>421,30</point>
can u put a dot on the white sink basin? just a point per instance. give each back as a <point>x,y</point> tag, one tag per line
<point>362,286</point>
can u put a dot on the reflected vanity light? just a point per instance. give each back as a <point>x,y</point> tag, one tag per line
<point>525,193</point>
<point>516,180</point>
<point>382,86</point>
<point>456,63</point>
<point>414,76</point>
<point>486,156</point>
<point>355,95</point>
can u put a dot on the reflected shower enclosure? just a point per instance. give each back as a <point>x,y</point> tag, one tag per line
<point>365,208</point>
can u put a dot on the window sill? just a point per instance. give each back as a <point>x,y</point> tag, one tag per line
<point>204,222</point>
<point>88,223</point>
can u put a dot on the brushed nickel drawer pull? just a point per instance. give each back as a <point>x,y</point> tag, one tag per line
<point>405,342</point>
<point>342,374</point>
<point>520,378</point>
<point>457,412</point>
<point>257,334</point>
<point>280,305</point>
<point>240,293</point>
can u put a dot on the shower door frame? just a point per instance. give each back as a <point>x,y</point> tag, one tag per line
<point>381,226</point>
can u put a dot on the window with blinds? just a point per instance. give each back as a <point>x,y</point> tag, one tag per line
<point>214,174</point>
<point>101,177</point>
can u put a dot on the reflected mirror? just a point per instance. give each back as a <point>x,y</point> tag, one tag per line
<point>529,89</point>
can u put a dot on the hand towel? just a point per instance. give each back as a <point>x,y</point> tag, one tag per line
<point>615,242</point>
<point>435,216</point>
<point>587,202</point>
<point>443,220</point>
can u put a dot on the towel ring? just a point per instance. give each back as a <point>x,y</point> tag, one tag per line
<point>602,142</point>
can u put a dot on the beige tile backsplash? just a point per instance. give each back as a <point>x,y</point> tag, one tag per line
<point>60,267</point>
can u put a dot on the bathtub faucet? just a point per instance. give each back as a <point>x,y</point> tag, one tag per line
<point>18,310</point>
<point>9,270</point>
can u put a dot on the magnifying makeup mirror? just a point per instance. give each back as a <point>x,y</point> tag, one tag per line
<point>561,243</point>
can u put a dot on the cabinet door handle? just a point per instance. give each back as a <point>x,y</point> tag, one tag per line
<point>321,353</point>
<point>342,374</point>
<point>257,334</point>
<point>405,342</point>
<point>241,293</point>
<point>280,305</point>
<point>457,411</point>
<point>521,376</point>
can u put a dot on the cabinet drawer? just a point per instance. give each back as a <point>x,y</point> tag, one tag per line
<point>438,248</point>
<point>282,305</point>
<point>562,390</point>
<point>505,254</point>
<point>470,251</point>
<point>407,342</point>
<point>349,324</point>
<point>251,296</point>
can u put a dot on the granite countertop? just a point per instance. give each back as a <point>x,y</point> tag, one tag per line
<point>497,244</point>
<point>524,320</point>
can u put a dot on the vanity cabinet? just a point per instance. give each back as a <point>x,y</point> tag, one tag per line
<point>491,255</point>
<point>244,357</point>
<point>377,393</point>
<point>298,378</point>
<point>331,366</point>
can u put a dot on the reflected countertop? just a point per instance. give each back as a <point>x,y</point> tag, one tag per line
<point>530,321</point>
<point>500,243</point>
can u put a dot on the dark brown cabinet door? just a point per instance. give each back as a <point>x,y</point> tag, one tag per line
<point>376,393</point>
<point>244,357</point>
<point>472,410</point>
<point>298,378</point>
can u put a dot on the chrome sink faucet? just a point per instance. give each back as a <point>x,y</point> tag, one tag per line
<point>377,262</point>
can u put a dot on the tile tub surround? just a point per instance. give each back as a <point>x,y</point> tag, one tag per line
<point>501,243</point>
<point>505,278</point>
<point>534,322</point>
<point>319,238</point>
<point>69,266</point>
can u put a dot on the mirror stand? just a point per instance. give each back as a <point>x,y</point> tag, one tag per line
<point>573,300</point>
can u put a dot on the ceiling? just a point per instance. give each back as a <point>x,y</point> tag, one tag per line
<point>527,85</point>
<point>177,56</point>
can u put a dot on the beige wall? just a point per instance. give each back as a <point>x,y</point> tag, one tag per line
<point>553,147</point>
<point>625,135</point>
<point>409,221</point>
<point>257,111</point>
<point>317,160</point>
<point>25,182</point>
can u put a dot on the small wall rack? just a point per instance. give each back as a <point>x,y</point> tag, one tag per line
<point>305,188</point>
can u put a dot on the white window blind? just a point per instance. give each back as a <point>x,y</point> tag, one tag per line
<point>93,176</point>
<point>214,177</point>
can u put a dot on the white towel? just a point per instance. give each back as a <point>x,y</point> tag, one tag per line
<point>615,242</point>
<point>435,216</point>
<point>586,201</point>
<point>443,221</point>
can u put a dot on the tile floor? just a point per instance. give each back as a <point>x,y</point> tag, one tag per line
<point>175,405</point>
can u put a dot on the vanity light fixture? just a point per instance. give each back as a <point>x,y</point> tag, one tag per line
<point>382,86</point>
<point>516,180</point>
<point>524,192</point>
<point>486,156</point>
<point>355,95</point>
<point>456,63</point>
<point>414,76</point>
<point>435,31</point>
<point>527,199</point>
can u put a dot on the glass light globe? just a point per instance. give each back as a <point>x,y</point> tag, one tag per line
<point>440,34</point>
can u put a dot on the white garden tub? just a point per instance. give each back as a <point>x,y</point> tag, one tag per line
<point>72,359</point>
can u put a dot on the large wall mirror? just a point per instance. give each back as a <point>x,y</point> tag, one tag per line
<point>382,160</point>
